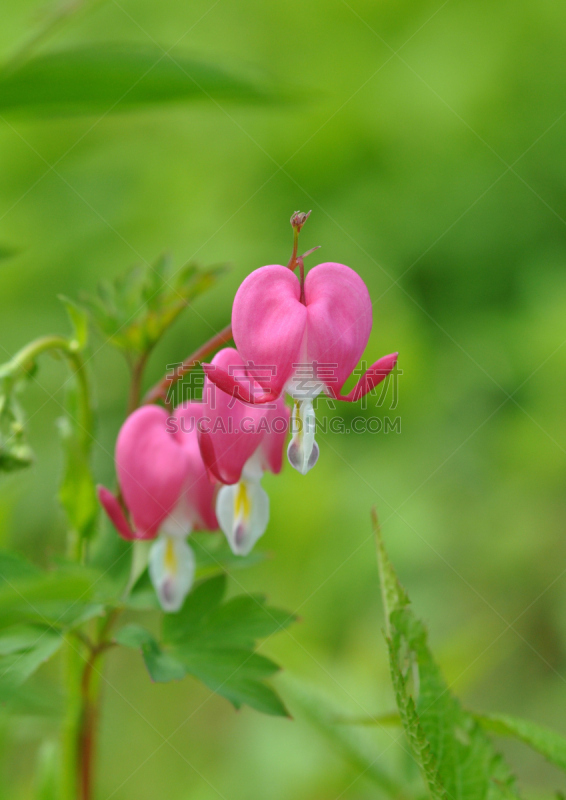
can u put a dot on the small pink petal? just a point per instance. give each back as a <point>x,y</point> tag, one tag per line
<point>229,433</point>
<point>116,514</point>
<point>236,386</point>
<point>370,379</point>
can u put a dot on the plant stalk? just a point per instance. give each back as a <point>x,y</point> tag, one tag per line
<point>161,389</point>
<point>88,716</point>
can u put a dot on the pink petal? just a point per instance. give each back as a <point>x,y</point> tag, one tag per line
<point>112,506</point>
<point>229,433</point>
<point>152,468</point>
<point>370,379</point>
<point>199,491</point>
<point>268,323</point>
<point>273,443</point>
<point>236,386</point>
<point>339,321</point>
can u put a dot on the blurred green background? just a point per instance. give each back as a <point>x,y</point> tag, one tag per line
<point>428,138</point>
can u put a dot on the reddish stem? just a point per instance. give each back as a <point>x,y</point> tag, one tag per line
<point>90,709</point>
<point>161,390</point>
<point>301,264</point>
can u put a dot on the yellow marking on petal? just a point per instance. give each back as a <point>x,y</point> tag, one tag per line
<point>170,557</point>
<point>242,502</point>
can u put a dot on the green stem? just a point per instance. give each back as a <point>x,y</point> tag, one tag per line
<point>24,359</point>
<point>293,260</point>
<point>23,363</point>
<point>80,679</point>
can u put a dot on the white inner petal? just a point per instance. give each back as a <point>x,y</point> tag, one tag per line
<point>172,570</point>
<point>253,469</point>
<point>243,513</point>
<point>303,449</point>
<point>179,523</point>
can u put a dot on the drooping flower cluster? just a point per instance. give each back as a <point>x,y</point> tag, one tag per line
<point>201,467</point>
<point>302,339</point>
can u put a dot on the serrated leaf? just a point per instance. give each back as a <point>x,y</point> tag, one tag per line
<point>198,607</point>
<point>79,321</point>
<point>61,598</point>
<point>134,636</point>
<point>215,641</point>
<point>256,695</point>
<point>457,759</point>
<point>21,663</point>
<point>136,309</point>
<point>547,742</point>
<point>18,638</point>
<point>113,78</point>
<point>162,667</point>
<point>245,618</point>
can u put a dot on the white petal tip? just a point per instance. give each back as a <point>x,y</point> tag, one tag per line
<point>172,567</point>
<point>298,458</point>
<point>243,514</point>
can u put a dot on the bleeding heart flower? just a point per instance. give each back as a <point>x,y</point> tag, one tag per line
<point>302,340</point>
<point>238,443</point>
<point>165,488</point>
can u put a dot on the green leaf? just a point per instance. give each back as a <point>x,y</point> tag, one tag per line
<point>18,638</point>
<point>548,743</point>
<point>136,309</point>
<point>79,321</point>
<point>115,77</point>
<point>24,651</point>
<point>244,619</point>
<point>215,641</point>
<point>457,759</point>
<point>197,609</point>
<point>14,567</point>
<point>61,598</point>
<point>134,636</point>
<point>162,666</point>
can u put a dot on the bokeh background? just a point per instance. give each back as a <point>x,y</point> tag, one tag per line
<point>428,139</point>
